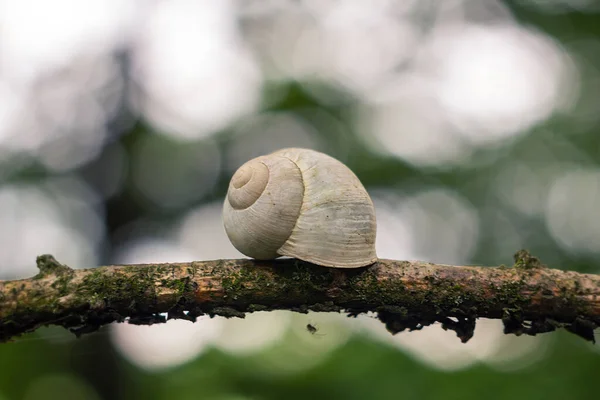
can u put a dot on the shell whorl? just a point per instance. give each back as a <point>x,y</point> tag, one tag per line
<point>262,205</point>
<point>248,184</point>
<point>303,204</point>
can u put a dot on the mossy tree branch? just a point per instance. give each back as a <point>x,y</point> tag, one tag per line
<point>529,297</point>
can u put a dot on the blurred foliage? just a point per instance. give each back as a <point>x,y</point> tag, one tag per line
<point>361,368</point>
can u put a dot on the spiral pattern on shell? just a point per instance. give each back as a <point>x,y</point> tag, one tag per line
<point>303,204</point>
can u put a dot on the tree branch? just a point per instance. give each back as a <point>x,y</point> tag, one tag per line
<point>529,297</point>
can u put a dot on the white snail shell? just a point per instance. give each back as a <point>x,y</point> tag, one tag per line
<point>303,204</point>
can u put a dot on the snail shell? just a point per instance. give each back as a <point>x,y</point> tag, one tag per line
<point>303,204</point>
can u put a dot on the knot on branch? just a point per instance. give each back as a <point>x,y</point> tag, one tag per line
<point>524,260</point>
<point>48,265</point>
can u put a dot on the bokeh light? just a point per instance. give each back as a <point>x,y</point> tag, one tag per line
<point>164,345</point>
<point>434,216</point>
<point>302,349</point>
<point>409,123</point>
<point>574,222</point>
<point>442,350</point>
<point>472,123</point>
<point>193,67</point>
<point>171,184</point>
<point>59,80</point>
<point>42,219</point>
<point>496,82</point>
<point>265,133</point>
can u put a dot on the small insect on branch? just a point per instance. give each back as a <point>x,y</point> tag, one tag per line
<point>311,328</point>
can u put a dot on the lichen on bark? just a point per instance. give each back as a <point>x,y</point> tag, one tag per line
<point>528,297</point>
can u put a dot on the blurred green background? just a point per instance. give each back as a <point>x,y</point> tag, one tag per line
<point>473,124</point>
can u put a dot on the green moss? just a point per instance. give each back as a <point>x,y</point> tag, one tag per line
<point>367,287</point>
<point>524,260</point>
<point>511,292</point>
<point>48,265</point>
<point>115,287</point>
<point>61,284</point>
<point>180,286</point>
<point>244,282</point>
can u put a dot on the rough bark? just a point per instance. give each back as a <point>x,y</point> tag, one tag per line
<point>529,297</point>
